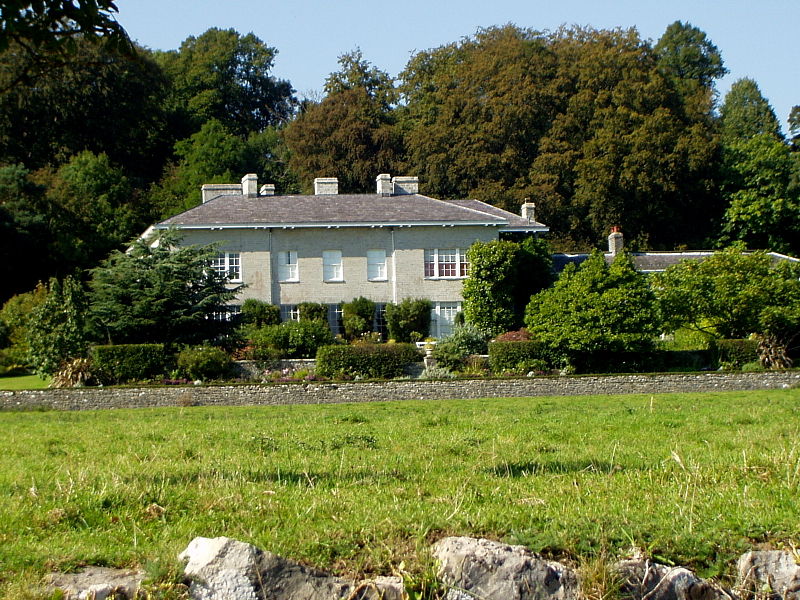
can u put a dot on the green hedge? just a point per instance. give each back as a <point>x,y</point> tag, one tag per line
<point>290,339</point>
<point>734,353</point>
<point>129,362</point>
<point>371,361</point>
<point>515,357</point>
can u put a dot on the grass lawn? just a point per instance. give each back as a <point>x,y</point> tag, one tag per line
<point>23,382</point>
<point>693,479</point>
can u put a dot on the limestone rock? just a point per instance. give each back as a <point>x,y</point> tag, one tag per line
<point>645,579</point>
<point>477,568</point>
<point>96,583</point>
<point>226,569</point>
<point>770,574</point>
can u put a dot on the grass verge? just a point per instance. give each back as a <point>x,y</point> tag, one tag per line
<point>692,479</point>
<point>23,382</point>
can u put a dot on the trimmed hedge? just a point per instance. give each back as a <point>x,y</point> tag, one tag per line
<point>734,353</point>
<point>371,361</point>
<point>129,362</point>
<point>516,357</point>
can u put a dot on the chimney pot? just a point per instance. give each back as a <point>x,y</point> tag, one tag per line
<point>615,241</point>
<point>324,186</point>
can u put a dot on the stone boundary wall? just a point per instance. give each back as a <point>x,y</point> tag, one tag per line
<point>331,393</point>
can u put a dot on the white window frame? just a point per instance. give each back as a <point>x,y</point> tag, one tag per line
<point>443,315</point>
<point>435,266</point>
<point>332,268</point>
<point>288,268</point>
<point>376,265</point>
<point>228,264</point>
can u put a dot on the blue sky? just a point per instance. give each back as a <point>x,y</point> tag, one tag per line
<point>757,38</point>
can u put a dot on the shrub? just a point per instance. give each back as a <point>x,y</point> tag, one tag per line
<point>291,339</point>
<point>735,353</point>
<point>204,362</point>
<point>371,361</point>
<point>436,372</point>
<point>73,373</point>
<point>313,311</point>
<point>513,357</point>
<point>259,313</point>
<point>521,335</point>
<point>128,362</point>
<point>412,315</point>
<point>357,317</point>
<point>465,340</point>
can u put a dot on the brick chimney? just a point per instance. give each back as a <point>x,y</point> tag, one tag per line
<point>250,185</point>
<point>325,186</point>
<point>615,241</point>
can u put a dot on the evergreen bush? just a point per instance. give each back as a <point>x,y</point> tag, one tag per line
<point>204,362</point>
<point>409,316</point>
<point>735,353</point>
<point>259,313</point>
<point>514,357</point>
<point>313,311</point>
<point>452,352</point>
<point>357,317</point>
<point>290,339</point>
<point>370,361</point>
<point>128,362</point>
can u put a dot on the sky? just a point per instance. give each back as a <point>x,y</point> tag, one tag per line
<point>757,38</point>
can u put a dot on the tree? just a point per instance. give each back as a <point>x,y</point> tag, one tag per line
<point>226,76</point>
<point>502,277</point>
<point>731,294</point>
<point>475,112</point>
<point>686,54</point>
<point>351,134</point>
<point>159,292</point>
<point>57,327</point>
<point>15,316</point>
<point>595,308</point>
<point>45,31</point>
<point>100,100</point>
<point>622,148</point>
<point>746,113</point>
<point>764,206</point>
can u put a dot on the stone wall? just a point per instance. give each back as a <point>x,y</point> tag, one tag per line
<point>330,393</point>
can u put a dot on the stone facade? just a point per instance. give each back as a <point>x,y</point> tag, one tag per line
<point>332,393</point>
<point>404,247</point>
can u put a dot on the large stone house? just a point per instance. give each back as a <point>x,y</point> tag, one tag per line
<point>330,248</point>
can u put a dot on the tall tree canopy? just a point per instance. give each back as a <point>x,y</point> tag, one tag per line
<point>746,113</point>
<point>351,133</point>
<point>686,54</point>
<point>226,76</point>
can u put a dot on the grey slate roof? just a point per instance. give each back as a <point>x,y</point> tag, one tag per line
<point>343,210</point>
<point>651,262</point>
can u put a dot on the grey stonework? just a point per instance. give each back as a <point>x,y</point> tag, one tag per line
<point>332,393</point>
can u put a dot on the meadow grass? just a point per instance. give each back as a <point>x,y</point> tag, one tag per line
<point>23,382</point>
<point>692,479</point>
